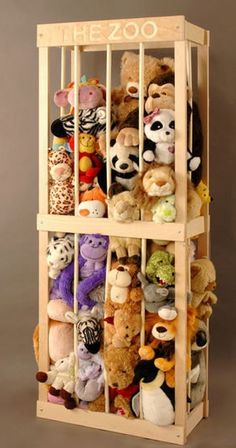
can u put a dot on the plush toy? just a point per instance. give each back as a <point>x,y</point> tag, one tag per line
<point>122,206</point>
<point>157,298</point>
<point>157,398</point>
<point>124,164</point>
<point>194,203</point>
<point>123,329</point>
<point>90,378</point>
<point>87,327</point>
<point>159,268</point>
<point>61,189</point>
<point>92,203</point>
<point>159,129</point>
<point>119,364</point>
<point>124,290</point>
<point>126,248</point>
<point>161,93</point>
<point>200,340</point>
<point>164,210</point>
<point>91,121</point>
<point>203,283</point>
<point>161,332</point>
<point>58,143</point>
<point>61,380</point>
<point>60,253</point>
<point>92,271</point>
<point>89,163</point>
<point>203,191</point>
<point>91,95</point>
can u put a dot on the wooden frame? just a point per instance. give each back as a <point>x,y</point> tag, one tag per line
<point>109,36</point>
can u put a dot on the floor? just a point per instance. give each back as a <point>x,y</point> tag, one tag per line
<point>19,427</point>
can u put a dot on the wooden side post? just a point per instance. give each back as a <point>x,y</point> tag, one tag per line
<point>43,208</point>
<point>203,101</point>
<point>181,264</point>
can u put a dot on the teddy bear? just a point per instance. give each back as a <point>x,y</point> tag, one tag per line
<point>160,93</point>
<point>199,341</point>
<point>123,328</point>
<point>203,283</point>
<point>119,364</point>
<point>61,380</point>
<point>160,269</point>
<point>89,163</point>
<point>124,291</point>
<point>122,206</point>
<point>89,383</point>
<point>60,253</point>
<point>125,97</point>
<point>61,188</point>
<point>159,130</point>
<point>126,248</point>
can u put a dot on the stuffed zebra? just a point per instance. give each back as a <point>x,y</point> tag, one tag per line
<point>91,121</point>
<point>60,252</point>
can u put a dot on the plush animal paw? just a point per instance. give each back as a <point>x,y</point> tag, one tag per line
<point>128,137</point>
<point>163,364</point>
<point>146,352</point>
<point>170,378</point>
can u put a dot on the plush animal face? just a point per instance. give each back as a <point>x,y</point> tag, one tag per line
<point>94,247</point>
<point>86,143</point>
<point>164,210</point>
<point>122,277</point>
<point>60,164</point>
<point>159,269</point>
<point>160,126</point>
<point>62,365</point>
<point>60,252</point>
<point>88,329</point>
<point>92,209</point>
<point>123,207</point>
<point>119,363</point>
<point>91,121</point>
<point>83,352</point>
<point>161,97</point>
<point>164,330</point>
<point>124,159</point>
<point>91,94</point>
<point>159,181</point>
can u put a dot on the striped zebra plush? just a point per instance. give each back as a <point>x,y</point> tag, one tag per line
<point>91,121</point>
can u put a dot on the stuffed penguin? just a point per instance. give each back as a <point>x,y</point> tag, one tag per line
<point>158,399</point>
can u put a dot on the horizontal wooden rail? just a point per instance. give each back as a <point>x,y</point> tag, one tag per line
<point>111,422</point>
<point>106,226</point>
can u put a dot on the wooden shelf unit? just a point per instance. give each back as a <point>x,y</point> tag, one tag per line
<point>112,35</point>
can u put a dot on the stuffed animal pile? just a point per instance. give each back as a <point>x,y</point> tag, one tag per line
<point>95,323</point>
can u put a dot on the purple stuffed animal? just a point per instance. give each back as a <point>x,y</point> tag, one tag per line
<point>92,271</point>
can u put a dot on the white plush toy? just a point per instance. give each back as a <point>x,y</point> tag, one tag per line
<point>164,210</point>
<point>60,252</point>
<point>61,379</point>
<point>159,128</point>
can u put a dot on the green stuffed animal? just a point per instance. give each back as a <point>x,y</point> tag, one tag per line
<point>160,270</point>
<point>164,210</point>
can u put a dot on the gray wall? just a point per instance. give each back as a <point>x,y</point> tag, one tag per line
<point>19,158</point>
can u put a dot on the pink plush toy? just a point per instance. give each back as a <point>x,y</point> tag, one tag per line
<point>91,95</point>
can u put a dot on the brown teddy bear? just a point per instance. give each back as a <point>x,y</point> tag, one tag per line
<point>119,364</point>
<point>124,289</point>
<point>125,97</point>
<point>203,283</point>
<point>123,329</point>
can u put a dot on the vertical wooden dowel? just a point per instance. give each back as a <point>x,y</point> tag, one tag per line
<point>181,264</point>
<point>63,75</point>
<point>203,101</point>
<point>141,163</point>
<point>108,174</point>
<point>43,208</point>
<point>76,66</point>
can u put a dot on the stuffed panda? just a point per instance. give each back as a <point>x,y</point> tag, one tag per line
<point>159,129</point>
<point>124,164</point>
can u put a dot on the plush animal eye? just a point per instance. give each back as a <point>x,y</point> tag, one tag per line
<point>127,326</point>
<point>100,243</point>
<point>163,93</point>
<point>123,371</point>
<point>62,259</point>
<point>172,125</point>
<point>156,126</point>
<point>90,241</point>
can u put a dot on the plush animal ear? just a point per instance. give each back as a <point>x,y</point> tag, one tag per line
<point>195,269</point>
<point>71,317</point>
<point>61,98</point>
<point>114,189</point>
<point>103,89</point>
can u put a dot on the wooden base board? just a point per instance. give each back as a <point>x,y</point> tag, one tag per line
<point>110,422</point>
